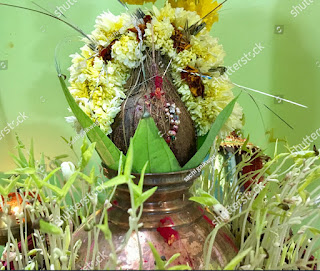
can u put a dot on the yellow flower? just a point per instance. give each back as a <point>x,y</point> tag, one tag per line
<point>138,2</point>
<point>99,87</point>
<point>126,50</point>
<point>202,7</point>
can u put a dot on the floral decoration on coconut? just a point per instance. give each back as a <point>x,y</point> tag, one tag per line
<point>160,63</point>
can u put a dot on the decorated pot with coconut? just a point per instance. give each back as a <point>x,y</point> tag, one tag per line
<point>147,79</point>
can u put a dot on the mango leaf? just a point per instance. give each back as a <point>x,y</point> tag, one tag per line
<point>46,227</point>
<point>198,158</point>
<point>107,151</point>
<point>201,140</point>
<point>150,147</point>
<point>237,260</point>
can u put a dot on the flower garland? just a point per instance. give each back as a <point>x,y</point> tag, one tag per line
<point>98,80</point>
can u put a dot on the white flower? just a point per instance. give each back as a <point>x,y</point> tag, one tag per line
<point>67,169</point>
<point>75,123</point>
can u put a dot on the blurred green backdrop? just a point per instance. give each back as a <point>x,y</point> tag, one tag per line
<point>288,66</point>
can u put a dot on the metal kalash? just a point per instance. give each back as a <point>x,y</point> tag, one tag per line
<point>170,221</point>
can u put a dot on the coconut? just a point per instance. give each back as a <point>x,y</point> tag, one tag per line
<point>150,89</point>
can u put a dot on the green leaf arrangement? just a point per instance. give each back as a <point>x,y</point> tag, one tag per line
<point>153,148</point>
<point>147,142</point>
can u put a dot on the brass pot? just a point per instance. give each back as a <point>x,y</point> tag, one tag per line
<point>170,221</point>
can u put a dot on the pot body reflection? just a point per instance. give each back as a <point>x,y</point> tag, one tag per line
<point>171,222</point>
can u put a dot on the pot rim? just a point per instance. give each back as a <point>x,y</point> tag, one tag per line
<point>182,172</point>
<point>166,178</point>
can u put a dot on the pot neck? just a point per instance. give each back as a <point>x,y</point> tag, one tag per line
<point>169,202</point>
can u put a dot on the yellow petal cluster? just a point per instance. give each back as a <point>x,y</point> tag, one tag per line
<point>127,50</point>
<point>99,87</point>
<point>202,7</point>
<point>109,27</point>
<point>138,2</point>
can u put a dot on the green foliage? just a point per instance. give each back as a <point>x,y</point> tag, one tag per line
<point>153,149</point>
<point>204,198</point>
<point>198,158</point>
<point>164,265</point>
<point>274,224</point>
<point>62,252</point>
<point>237,260</point>
<point>86,154</point>
<point>46,227</point>
<point>10,186</point>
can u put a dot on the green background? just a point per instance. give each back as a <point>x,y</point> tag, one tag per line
<point>288,66</point>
